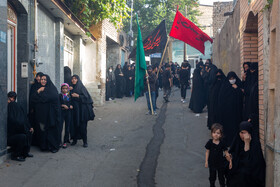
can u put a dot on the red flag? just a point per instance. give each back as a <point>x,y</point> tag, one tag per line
<point>186,31</point>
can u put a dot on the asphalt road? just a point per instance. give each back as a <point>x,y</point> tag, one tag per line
<point>126,148</point>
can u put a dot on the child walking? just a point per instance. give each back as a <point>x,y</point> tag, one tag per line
<point>214,159</point>
<point>66,107</point>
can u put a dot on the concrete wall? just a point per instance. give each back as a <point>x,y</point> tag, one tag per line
<point>46,43</point>
<point>113,54</point>
<point>3,77</point>
<point>226,46</point>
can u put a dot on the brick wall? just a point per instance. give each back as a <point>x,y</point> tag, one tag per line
<point>249,15</point>
<point>219,8</point>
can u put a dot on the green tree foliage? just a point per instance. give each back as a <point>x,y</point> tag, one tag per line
<point>90,12</point>
<point>152,12</point>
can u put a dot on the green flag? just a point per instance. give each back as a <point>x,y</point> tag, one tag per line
<point>140,66</point>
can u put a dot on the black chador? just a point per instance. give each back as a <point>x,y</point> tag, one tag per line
<point>82,110</point>
<point>19,135</point>
<point>197,101</point>
<point>129,82</point>
<point>47,113</point>
<point>31,115</point>
<point>213,111</point>
<point>110,84</point>
<point>248,167</point>
<point>120,82</point>
<point>230,106</point>
<point>251,107</point>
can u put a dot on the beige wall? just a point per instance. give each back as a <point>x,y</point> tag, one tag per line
<point>205,19</point>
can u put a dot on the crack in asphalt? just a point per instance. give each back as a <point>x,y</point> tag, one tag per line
<point>146,175</point>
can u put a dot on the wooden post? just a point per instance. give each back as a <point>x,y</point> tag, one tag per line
<point>185,45</point>
<point>160,64</point>
<point>150,97</point>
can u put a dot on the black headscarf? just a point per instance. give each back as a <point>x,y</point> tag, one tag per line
<point>246,63</point>
<point>83,106</point>
<point>197,101</point>
<point>213,111</point>
<point>17,120</point>
<point>80,89</point>
<point>34,87</point>
<point>47,104</point>
<point>248,167</point>
<point>230,103</point>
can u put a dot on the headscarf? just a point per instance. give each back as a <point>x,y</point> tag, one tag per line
<point>199,64</point>
<point>50,94</point>
<point>47,104</point>
<point>80,89</point>
<point>255,165</point>
<point>36,85</point>
<point>67,95</point>
<point>248,63</point>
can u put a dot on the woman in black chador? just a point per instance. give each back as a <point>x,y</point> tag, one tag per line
<point>67,75</point>
<point>47,113</point>
<point>129,82</point>
<point>110,84</point>
<point>82,110</point>
<point>230,106</point>
<point>247,159</point>
<point>197,101</point>
<point>213,111</point>
<point>31,115</point>
<point>120,82</point>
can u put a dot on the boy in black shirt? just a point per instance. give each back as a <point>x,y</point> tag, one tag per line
<point>184,81</point>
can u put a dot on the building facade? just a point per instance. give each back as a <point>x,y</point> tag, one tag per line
<point>45,36</point>
<point>252,31</point>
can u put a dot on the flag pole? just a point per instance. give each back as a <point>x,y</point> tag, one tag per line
<point>150,97</point>
<point>160,64</point>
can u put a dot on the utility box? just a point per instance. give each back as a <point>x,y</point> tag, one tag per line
<point>24,70</point>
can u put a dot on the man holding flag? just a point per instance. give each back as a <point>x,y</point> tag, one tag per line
<point>141,71</point>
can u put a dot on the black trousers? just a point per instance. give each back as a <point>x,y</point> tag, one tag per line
<point>82,131</point>
<point>213,174</point>
<point>184,90</point>
<point>65,117</point>
<point>20,144</point>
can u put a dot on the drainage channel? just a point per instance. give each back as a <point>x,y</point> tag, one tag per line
<point>146,175</point>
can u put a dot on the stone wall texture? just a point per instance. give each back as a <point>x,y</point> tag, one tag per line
<point>226,45</point>
<point>205,19</point>
<point>219,8</point>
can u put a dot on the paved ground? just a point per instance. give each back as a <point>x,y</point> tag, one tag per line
<point>126,148</point>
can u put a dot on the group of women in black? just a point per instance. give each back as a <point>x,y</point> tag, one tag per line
<point>233,103</point>
<point>48,110</point>
<point>120,82</point>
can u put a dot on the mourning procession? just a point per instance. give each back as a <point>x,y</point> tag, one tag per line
<point>120,93</point>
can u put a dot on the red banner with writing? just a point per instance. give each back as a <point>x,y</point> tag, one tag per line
<point>186,31</point>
